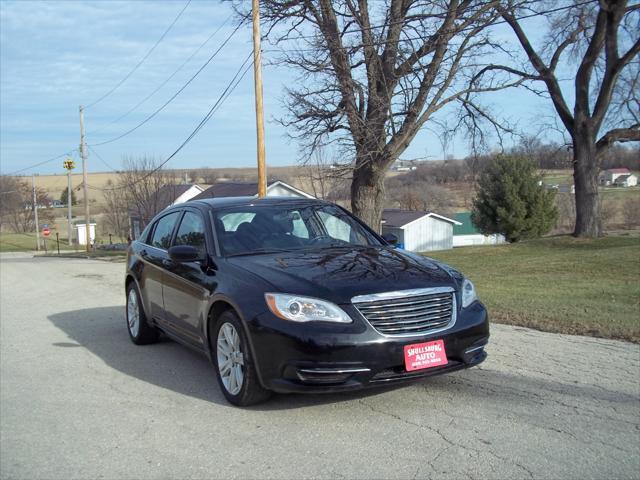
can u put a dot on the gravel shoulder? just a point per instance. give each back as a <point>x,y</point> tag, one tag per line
<point>79,400</point>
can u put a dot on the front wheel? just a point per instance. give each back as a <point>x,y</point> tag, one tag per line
<point>234,366</point>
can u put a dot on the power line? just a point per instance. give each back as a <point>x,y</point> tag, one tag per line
<point>131,130</point>
<point>231,86</point>
<point>67,154</point>
<point>126,77</point>
<point>135,107</point>
<point>101,159</point>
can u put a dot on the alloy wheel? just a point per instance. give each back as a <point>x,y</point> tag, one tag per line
<point>133,313</point>
<point>230,358</point>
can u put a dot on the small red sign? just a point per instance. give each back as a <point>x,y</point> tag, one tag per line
<point>425,355</point>
<point>46,232</point>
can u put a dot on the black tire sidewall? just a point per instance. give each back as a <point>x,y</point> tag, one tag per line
<point>146,333</point>
<point>132,286</point>
<point>249,377</point>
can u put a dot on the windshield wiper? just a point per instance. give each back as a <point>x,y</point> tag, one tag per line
<point>258,251</point>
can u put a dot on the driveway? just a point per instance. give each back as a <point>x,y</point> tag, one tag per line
<point>79,400</point>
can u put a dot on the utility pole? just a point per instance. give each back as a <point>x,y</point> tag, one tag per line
<point>69,165</point>
<point>35,210</point>
<point>257,76</point>
<point>83,155</point>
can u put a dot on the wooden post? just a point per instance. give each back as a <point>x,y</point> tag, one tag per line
<point>69,207</point>
<point>83,154</point>
<point>257,76</point>
<point>35,210</point>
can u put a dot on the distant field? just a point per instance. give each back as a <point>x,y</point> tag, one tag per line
<point>55,184</point>
<point>559,284</point>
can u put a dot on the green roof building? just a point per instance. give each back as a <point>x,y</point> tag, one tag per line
<point>466,233</point>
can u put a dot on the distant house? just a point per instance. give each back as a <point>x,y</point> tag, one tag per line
<point>419,231</point>
<point>275,188</point>
<point>465,233</point>
<point>165,197</point>
<point>626,181</point>
<point>608,177</point>
<point>403,166</point>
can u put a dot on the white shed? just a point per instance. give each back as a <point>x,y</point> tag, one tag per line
<point>419,231</point>
<point>81,233</point>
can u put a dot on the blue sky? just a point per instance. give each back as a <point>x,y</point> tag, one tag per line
<point>57,55</point>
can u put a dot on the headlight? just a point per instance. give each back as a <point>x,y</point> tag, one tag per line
<point>468,293</point>
<point>304,309</point>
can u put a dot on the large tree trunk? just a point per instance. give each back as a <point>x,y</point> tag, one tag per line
<point>367,193</point>
<point>585,176</point>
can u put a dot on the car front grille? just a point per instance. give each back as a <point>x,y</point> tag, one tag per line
<point>409,312</point>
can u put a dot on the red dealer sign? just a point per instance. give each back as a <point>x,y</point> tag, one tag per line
<point>424,355</point>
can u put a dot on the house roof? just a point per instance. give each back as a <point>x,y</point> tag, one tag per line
<point>394,217</point>
<point>241,189</point>
<point>622,178</point>
<point>167,194</point>
<point>466,226</point>
<point>398,218</point>
<point>619,170</point>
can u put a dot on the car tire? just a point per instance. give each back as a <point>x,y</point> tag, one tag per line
<point>230,352</point>
<point>140,332</point>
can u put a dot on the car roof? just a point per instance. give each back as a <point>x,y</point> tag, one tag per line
<point>226,202</point>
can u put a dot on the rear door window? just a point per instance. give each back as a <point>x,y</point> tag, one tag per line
<point>161,237</point>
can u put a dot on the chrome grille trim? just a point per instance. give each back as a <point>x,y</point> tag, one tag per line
<point>409,312</point>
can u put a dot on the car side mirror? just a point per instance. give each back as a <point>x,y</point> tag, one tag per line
<point>184,253</point>
<point>390,238</point>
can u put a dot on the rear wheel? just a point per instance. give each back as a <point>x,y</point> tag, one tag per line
<point>234,366</point>
<point>140,332</point>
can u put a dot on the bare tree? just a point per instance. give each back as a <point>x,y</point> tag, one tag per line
<point>322,174</point>
<point>16,205</point>
<point>116,211</point>
<point>602,37</point>
<point>142,180</point>
<point>373,75</point>
<point>137,193</point>
<point>10,198</point>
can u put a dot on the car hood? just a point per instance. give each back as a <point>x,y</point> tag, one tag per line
<point>338,274</point>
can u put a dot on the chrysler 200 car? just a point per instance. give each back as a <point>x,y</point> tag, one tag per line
<point>297,295</point>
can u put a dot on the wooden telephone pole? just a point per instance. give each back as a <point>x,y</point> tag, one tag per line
<point>83,155</point>
<point>257,76</point>
<point>35,210</point>
<point>69,165</point>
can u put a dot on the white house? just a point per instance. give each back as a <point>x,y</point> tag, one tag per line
<point>608,177</point>
<point>403,166</point>
<point>465,233</point>
<point>419,231</point>
<point>275,188</point>
<point>626,181</point>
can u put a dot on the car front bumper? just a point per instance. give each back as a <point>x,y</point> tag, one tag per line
<point>314,359</point>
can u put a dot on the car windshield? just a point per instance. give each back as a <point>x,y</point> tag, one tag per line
<point>257,229</point>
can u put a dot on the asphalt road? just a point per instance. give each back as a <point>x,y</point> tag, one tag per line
<point>79,400</point>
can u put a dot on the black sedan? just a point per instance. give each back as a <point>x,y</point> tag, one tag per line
<point>297,295</point>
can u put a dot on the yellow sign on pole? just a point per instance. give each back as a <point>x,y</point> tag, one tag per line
<point>69,164</point>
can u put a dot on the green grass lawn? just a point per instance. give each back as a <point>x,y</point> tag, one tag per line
<point>559,284</point>
<point>26,242</point>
